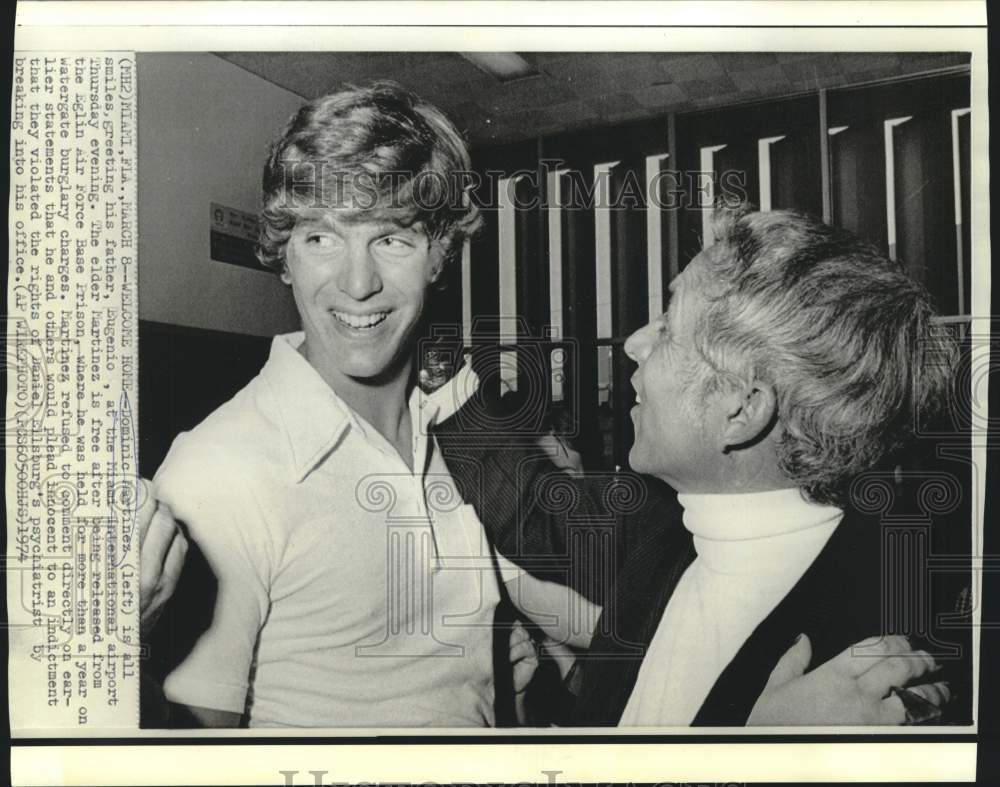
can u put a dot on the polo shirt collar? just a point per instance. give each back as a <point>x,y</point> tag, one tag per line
<point>315,418</point>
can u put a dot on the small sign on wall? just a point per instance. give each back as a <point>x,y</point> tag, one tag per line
<point>233,237</point>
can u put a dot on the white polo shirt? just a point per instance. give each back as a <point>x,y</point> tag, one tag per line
<point>352,590</point>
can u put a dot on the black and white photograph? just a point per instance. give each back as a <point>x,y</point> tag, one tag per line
<point>536,391</point>
<point>604,385</point>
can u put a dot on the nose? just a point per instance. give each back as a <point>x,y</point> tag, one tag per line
<point>359,277</point>
<point>640,344</point>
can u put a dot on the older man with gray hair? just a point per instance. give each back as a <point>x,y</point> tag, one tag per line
<point>792,360</point>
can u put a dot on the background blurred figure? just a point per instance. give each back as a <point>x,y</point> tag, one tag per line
<point>558,440</point>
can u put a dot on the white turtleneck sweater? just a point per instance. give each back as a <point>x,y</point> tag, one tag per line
<point>751,550</point>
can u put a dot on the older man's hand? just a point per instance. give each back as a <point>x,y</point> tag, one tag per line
<point>862,685</point>
<point>162,547</point>
<point>524,662</point>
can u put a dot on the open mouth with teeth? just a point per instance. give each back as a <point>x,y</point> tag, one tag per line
<point>360,322</point>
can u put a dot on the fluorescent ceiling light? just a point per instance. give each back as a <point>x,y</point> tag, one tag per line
<point>505,66</point>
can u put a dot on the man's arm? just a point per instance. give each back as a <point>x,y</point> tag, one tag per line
<point>162,549</point>
<point>206,489</point>
<point>562,613</point>
<point>539,517</point>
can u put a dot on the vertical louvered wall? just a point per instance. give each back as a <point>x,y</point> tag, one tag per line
<point>920,126</point>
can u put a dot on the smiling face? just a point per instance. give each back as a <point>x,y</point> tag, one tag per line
<point>360,288</point>
<point>674,437</point>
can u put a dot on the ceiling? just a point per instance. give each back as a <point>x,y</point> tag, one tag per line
<point>575,90</point>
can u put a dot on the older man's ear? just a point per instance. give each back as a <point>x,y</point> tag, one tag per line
<point>750,410</point>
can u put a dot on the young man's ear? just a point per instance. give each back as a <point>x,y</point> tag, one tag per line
<point>285,276</point>
<point>750,409</point>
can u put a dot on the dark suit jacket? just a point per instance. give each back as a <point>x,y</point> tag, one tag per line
<point>575,531</point>
<point>836,603</point>
<point>619,540</point>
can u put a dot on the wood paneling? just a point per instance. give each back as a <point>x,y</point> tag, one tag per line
<point>580,319</point>
<point>925,205</point>
<point>630,288</point>
<point>857,171</point>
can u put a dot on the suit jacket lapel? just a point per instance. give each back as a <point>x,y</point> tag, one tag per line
<point>836,603</point>
<point>647,581</point>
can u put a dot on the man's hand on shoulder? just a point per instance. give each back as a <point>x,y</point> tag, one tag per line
<point>881,680</point>
<point>162,547</point>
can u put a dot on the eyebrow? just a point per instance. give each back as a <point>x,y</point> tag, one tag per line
<point>389,226</point>
<point>382,227</point>
<point>322,221</point>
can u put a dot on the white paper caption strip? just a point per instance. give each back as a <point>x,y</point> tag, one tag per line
<point>71,437</point>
